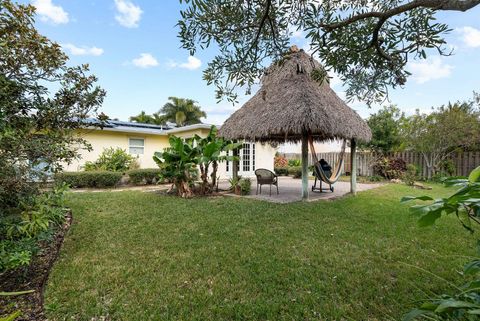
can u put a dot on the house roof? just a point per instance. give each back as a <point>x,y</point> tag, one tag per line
<point>141,128</point>
<point>291,104</point>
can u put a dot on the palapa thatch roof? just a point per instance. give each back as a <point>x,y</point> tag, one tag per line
<point>291,103</point>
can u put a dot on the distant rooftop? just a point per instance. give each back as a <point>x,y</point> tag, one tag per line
<point>141,128</point>
<point>138,125</point>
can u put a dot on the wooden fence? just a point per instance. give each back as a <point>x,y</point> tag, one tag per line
<point>464,162</point>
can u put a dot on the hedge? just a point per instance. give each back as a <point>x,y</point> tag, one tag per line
<point>295,171</point>
<point>144,176</point>
<point>281,171</point>
<point>89,179</point>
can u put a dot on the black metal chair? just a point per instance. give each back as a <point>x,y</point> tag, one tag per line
<point>266,177</point>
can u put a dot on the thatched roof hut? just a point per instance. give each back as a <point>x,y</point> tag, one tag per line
<point>295,103</point>
<point>290,103</point>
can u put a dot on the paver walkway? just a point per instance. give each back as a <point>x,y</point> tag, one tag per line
<point>290,190</point>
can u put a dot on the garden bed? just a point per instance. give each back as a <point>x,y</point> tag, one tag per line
<point>33,278</point>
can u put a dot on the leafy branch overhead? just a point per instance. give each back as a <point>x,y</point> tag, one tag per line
<point>368,43</point>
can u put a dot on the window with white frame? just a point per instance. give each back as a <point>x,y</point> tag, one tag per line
<point>136,146</point>
<point>246,157</point>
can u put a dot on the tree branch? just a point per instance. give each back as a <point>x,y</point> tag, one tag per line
<point>452,5</point>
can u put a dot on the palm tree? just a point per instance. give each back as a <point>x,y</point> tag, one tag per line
<point>143,118</point>
<point>181,111</point>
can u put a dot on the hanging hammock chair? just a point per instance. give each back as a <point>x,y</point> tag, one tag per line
<point>319,172</point>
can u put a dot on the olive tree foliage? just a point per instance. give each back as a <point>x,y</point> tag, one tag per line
<point>42,101</point>
<point>447,129</point>
<point>367,42</point>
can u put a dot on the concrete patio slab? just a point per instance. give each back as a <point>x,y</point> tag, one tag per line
<point>290,190</point>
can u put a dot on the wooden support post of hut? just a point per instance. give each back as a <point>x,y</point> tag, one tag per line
<point>353,162</point>
<point>305,166</point>
<point>296,104</point>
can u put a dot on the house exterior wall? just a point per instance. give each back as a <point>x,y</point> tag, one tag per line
<point>102,139</point>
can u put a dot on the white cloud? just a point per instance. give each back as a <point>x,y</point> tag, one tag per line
<point>83,51</point>
<point>298,34</point>
<point>128,14</point>
<point>145,60</point>
<point>191,64</point>
<point>49,12</point>
<point>470,36</point>
<point>429,69</point>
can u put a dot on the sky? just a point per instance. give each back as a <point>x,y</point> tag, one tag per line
<point>133,48</point>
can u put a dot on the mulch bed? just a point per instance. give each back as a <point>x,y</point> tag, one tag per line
<point>33,278</point>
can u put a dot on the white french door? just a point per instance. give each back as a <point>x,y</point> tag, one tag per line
<point>246,165</point>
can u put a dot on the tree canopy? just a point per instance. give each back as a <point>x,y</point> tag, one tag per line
<point>449,128</point>
<point>37,123</point>
<point>181,111</point>
<point>386,130</point>
<point>368,43</point>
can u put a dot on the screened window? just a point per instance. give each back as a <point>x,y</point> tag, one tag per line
<point>136,146</point>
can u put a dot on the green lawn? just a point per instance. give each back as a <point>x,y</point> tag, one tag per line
<point>142,256</point>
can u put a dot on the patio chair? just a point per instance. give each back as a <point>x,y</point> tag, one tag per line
<point>266,177</point>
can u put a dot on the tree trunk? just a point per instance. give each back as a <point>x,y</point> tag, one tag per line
<point>214,175</point>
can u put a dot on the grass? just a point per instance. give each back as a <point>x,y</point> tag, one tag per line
<point>142,256</point>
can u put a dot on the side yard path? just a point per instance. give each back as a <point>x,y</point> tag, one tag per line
<point>144,256</point>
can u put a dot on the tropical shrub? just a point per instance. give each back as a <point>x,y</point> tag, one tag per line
<point>212,150</point>
<point>180,162</point>
<point>240,185</point>
<point>410,175</point>
<point>296,172</point>
<point>390,167</point>
<point>464,304</point>
<point>89,179</point>
<point>375,178</point>
<point>280,162</point>
<point>36,221</point>
<point>294,162</point>
<point>144,176</point>
<point>281,171</point>
<point>112,159</point>
<point>245,185</point>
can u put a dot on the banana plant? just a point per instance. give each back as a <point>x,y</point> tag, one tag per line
<point>178,164</point>
<point>211,151</point>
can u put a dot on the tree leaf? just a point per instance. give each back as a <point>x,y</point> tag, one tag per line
<point>474,175</point>
<point>429,219</point>
<point>411,198</point>
<point>454,304</point>
<point>414,314</point>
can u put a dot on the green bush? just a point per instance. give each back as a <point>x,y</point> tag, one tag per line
<point>245,185</point>
<point>89,179</point>
<point>410,174</point>
<point>144,176</point>
<point>295,171</point>
<point>294,162</point>
<point>40,215</point>
<point>281,171</point>
<point>112,159</point>
<point>375,178</point>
